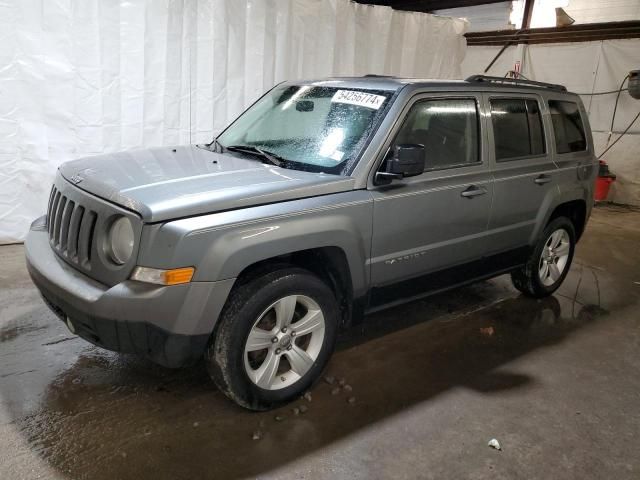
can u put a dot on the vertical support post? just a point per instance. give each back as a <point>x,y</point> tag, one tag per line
<point>527,14</point>
<point>526,24</point>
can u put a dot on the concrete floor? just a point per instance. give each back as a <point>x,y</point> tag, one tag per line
<point>557,382</point>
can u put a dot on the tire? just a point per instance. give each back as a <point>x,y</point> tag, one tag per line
<point>533,279</point>
<point>254,357</point>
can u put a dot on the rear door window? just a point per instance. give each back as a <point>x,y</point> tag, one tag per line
<point>517,128</point>
<point>567,127</point>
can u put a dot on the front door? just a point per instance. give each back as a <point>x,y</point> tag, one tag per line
<point>438,219</point>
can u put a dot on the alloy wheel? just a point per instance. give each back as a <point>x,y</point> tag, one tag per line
<point>554,257</point>
<point>284,342</point>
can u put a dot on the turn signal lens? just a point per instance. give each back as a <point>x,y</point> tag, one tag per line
<point>175,276</point>
<point>178,275</point>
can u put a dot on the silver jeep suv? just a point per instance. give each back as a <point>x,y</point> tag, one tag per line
<point>325,200</point>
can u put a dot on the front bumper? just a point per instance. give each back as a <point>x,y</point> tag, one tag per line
<point>169,325</point>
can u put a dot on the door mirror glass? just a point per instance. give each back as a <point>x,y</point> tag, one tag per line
<point>407,160</point>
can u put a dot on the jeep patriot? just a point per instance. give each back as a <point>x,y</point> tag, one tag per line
<point>325,200</point>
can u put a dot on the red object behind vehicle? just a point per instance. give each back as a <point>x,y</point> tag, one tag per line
<point>602,188</point>
<point>603,183</point>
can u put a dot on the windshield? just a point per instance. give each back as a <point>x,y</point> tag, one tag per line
<point>308,127</point>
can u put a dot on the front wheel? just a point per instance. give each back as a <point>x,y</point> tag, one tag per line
<point>275,336</point>
<point>549,262</point>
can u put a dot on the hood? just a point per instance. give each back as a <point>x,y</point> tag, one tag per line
<point>171,182</point>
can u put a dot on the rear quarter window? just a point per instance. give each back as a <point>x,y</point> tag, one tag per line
<point>568,128</point>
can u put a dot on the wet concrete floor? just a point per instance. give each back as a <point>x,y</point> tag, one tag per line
<point>556,381</point>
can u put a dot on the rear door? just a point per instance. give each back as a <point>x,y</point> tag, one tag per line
<point>438,219</point>
<point>525,176</point>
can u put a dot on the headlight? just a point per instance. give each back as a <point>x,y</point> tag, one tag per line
<point>120,240</point>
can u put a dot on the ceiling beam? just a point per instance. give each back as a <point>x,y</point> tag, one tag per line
<point>572,33</point>
<point>428,5</point>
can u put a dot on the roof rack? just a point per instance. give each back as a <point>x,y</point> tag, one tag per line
<point>515,82</point>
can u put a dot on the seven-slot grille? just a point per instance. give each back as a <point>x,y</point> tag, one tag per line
<point>71,228</point>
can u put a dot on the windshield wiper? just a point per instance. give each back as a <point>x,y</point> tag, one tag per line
<point>270,157</point>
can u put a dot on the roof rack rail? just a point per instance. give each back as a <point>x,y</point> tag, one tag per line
<point>515,82</point>
<point>376,75</point>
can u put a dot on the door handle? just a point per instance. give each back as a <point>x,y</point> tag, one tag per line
<point>542,179</point>
<point>473,191</point>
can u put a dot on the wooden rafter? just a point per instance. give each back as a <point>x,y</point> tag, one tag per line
<point>572,33</point>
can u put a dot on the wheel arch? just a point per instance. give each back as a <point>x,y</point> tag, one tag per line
<point>574,210</point>
<point>329,263</point>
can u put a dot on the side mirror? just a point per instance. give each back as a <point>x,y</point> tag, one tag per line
<point>407,161</point>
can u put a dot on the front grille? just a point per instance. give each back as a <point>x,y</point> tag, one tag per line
<point>71,228</point>
<point>78,223</point>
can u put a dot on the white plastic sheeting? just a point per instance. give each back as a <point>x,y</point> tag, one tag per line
<point>584,68</point>
<point>582,11</point>
<point>492,16</point>
<point>508,14</point>
<point>82,77</point>
<point>592,11</point>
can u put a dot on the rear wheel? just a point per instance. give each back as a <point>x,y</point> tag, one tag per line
<point>275,336</point>
<point>549,262</point>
